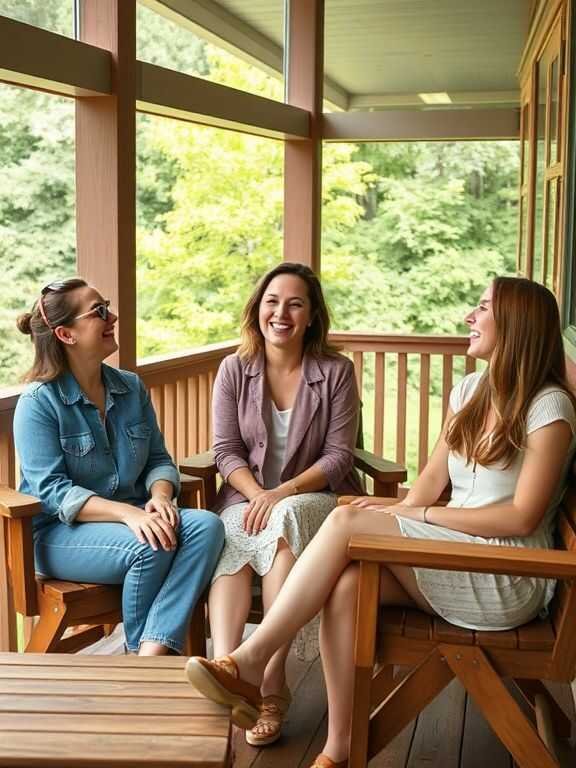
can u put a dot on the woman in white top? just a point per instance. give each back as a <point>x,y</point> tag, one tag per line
<point>505,447</point>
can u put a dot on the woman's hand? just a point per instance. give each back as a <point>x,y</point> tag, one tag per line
<point>373,502</point>
<point>259,509</point>
<point>163,504</point>
<point>149,528</point>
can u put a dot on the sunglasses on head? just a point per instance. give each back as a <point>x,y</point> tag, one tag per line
<point>102,310</point>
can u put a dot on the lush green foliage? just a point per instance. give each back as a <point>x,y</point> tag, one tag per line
<point>411,232</point>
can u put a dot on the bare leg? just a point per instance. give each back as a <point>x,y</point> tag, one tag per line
<point>309,585</point>
<point>228,607</point>
<point>337,645</point>
<point>148,648</point>
<point>275,673</point>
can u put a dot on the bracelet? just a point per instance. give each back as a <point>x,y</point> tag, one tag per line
<point>424,518</point>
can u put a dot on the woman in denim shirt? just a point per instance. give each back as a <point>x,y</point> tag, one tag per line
<point>91,451</point>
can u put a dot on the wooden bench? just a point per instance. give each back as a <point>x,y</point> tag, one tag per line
<point>106,712</point>
<point>436,652</point>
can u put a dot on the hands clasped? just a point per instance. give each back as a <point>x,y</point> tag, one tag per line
<point>156,524</point>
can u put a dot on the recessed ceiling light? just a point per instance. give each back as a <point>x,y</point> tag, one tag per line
<point>435,98</point>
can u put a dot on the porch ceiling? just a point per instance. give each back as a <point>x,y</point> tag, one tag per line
<point>383,53</point>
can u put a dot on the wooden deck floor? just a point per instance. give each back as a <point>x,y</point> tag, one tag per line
<point>450,733</point>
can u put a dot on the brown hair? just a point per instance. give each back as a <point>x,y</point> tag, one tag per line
<point>316,336</point>
<point>54,307</point>
<point>528,356</point>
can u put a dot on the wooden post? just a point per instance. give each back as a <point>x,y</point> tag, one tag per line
<point>8,627</point>
<point>106,169</point>
<point>303,158</point>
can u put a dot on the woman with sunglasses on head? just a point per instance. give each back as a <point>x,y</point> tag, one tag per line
<point>506,447</point>
<point>285,426</point>
<point>91,451</point>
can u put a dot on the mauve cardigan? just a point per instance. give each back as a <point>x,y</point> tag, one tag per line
<point>323,426</point>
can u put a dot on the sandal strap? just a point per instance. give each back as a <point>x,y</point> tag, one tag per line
<point>323,761</point>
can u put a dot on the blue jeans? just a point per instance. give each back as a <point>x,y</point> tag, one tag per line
<point>160,589</point>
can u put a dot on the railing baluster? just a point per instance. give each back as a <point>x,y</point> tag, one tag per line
<point>424,414</point>
<point>193,445</point>
<point>401,408</point>
<point>157,397</point>
<point>211,377</point>
<point>203,412</point>
<point>358,360</point>
<point>181,418</point>
<point>447,369</point>
<point>169,430</point>
<point>379,400</point>
<point>470,364</point>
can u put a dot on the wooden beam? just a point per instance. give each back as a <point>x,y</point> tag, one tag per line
<point>35,58</point>
<point>303,159</point>
<point>106,169</point>
<point>429,125</point>
<point>184,97</point>
<point>458,98</point>
<point>210,21</point>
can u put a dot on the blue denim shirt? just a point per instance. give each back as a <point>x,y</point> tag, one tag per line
<point>68,455</point>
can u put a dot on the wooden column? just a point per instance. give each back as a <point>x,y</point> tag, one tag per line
<point>106,169</point>
<point>303,158</point>
<point>8,627</point>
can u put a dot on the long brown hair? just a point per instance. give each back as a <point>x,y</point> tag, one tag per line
<point>316,336</point>
<point>54,307</point>
<point>528,356</point>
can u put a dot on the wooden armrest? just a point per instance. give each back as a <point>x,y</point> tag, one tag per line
<point>378,468</point>
<point>452,556</point>
<point>201,465</point>
<point>16,505</point>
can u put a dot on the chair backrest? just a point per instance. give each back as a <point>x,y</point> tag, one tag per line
<point>563,607</point>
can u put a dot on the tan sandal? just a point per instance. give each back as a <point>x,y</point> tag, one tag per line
<point>268,727</point>
<point>323,761</point>
<point>219,680</point>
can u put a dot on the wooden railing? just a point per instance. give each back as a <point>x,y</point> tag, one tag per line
<point>405,382</point>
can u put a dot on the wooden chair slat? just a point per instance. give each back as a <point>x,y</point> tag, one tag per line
<point>443,632</point>
<point>391,621</point>
<point>501,639</point>
<point>536,636</point>
<point>418,625</point>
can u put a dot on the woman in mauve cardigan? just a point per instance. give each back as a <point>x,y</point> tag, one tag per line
<point>285,415</point>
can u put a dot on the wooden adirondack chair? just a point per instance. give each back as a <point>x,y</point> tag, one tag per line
<point>437,651</point>
<point>63,604</point>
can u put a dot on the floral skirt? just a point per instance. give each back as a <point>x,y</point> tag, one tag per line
<point>296,519</point>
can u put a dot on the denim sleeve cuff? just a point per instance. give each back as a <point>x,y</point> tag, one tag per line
<point>163,472</point>
<point>229,465</point>
<point>73,503</point>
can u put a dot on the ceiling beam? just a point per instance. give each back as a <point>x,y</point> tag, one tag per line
<point>429,125</point>
<point>458,99</point>
<point>36,58</point>
<point>172,94</point>
<point>213,23</point>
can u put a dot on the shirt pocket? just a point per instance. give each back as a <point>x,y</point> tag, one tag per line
<point>80,457</point>
<point>139,436</point>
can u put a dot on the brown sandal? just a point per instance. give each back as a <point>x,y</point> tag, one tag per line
<point>268,727</point>
<point>323,761</point>
<point>220,681</point>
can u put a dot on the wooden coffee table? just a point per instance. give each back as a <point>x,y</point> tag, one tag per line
<point>84,711</point>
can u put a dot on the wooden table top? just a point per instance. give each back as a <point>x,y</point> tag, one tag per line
<point>83,711</point>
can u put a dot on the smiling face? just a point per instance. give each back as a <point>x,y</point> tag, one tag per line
<point>89,336</point>
<point>285,312</point>
<point>482,327</point>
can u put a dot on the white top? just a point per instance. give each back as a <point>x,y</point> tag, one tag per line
<point>276,448</point>
<point>474,485</point>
